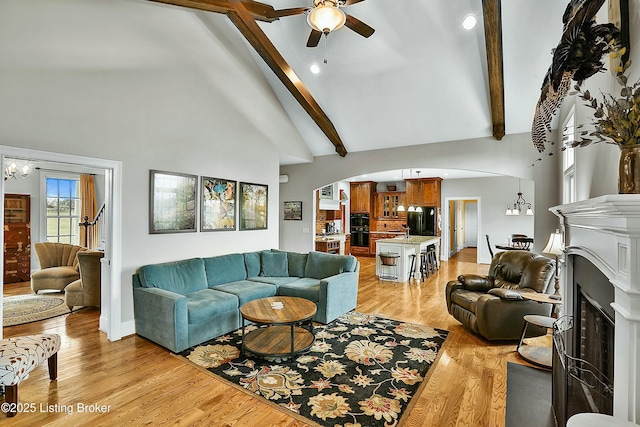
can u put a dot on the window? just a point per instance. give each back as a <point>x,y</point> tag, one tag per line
<point>63,210</point>
<point>569,159</point>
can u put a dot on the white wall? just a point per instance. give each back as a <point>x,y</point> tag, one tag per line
<point>513,156</point>
<point>100,79</point>
<point>597,164</point>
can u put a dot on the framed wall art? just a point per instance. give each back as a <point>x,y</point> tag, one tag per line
<point>293,211</point>
<point>253,206</point>
<point>217,204</point>
<point>172,202</point>
<point>326,192</point>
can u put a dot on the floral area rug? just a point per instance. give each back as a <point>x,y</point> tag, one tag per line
<point>362,370</point>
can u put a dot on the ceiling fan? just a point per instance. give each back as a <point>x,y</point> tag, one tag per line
<point>326,16</point>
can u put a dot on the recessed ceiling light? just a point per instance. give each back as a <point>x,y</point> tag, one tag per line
<point>314,69</point>
<point>469,22</point>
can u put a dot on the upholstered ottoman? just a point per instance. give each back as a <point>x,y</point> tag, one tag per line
<point>21,355</point>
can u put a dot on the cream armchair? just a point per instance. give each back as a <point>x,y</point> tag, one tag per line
<point>58,265</point>
<point>86,290</point>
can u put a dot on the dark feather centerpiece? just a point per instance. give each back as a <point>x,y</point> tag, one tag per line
<point>577,57</point>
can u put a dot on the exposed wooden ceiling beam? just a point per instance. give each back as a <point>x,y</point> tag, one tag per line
<point>243,14</point>
<point>492,14</point>
<point>261,43</point>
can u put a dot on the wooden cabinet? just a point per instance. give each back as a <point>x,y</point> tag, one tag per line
<point>423,192</point>
<point>362,194</point>
<point>333,215</point>
<point>17,238</point>
<point>329,246</point>
<point>374,238</point>
<point>347,244</point>
<point>387,205</point>
<point>360,250</point>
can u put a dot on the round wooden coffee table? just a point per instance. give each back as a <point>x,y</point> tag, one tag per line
<point>281,331</point>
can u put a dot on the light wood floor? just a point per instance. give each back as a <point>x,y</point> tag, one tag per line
<point>144,384</point>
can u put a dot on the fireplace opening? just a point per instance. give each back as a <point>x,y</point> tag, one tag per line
<point>583,347</point>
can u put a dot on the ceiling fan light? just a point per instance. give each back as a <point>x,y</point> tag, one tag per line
<point>326,18</point>
<point>469,22</point>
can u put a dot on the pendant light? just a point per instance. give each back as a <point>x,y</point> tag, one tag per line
<point>516,208</point>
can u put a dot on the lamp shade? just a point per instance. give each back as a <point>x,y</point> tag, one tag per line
<point>555,245</point>
<point>326,18</point>
<point>401,208</point>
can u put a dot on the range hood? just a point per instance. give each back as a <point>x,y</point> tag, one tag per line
<point>329,205</point>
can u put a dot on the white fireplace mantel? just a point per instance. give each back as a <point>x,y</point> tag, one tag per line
<point>606,231</point>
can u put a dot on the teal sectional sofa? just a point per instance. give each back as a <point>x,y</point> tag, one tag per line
<point>184,303</point>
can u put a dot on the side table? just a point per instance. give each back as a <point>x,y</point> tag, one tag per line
<point>537,355</point>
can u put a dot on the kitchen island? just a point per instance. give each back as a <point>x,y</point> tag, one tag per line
<point>405,248</point>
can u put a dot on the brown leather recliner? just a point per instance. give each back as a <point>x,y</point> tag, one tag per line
<point>492,306</point>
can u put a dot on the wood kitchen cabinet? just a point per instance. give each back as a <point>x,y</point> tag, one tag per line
<point>387,205</point>
<point>374,238</point>
<point>329,246</point>
<point>362,195</point>
<point>423,192</point>
<point>17,238</point>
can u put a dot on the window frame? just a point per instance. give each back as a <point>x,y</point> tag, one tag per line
<point>569,158</point>
<point>44,237</point>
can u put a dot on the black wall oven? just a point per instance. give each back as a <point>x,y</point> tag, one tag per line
<point>360,230</point>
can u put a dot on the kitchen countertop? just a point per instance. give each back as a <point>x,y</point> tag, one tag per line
<point>329,237</point>
<point>412,240</point>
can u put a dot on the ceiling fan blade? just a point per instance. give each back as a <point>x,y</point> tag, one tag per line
<point>314,38</point>
<point>359,27</point>
<point>350,2</point>
<point>288,12</point>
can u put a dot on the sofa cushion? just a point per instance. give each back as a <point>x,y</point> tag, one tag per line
<point>465,299</point>
<point>505,284</point>
<point>247,290</point>
<point>278,281</point>
<point>538,274</point>
<point>512,265</point>
<point>304,287</point>
<point>320,265</point>
<point>274,264</point>
<point>225,269</point>
<point>182,277</point>
<point>62,272</point>
<point>208,303</point>
<point>297,262</point>
<point>252,263</point>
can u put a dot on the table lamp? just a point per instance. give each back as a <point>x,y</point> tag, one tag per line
<point>555,247</point>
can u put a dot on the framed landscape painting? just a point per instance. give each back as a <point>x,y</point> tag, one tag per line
<point>172,202</point>
<point>293,211</point>
<point>253,206</point>
<point>217,204</point>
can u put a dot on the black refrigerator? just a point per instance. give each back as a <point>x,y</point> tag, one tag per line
<point>422,223</point>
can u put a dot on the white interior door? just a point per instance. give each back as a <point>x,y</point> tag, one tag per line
<point>471,225</point>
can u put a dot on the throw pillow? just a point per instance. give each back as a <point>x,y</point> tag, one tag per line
<point>274,264</point>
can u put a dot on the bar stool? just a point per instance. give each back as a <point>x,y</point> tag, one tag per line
<point>413,264</point>
<point>389,260</point>
<point>432,258</point>
<point>424,265</point>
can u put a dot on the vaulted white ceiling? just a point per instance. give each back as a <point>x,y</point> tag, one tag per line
<point>420,78</point>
